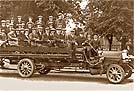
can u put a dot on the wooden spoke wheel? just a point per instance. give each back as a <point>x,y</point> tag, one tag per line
<point>115,73</point>
<point>26,68</point>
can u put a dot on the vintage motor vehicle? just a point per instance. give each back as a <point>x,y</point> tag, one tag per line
<point>43,59</point>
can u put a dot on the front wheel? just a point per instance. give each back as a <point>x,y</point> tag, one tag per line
<point>26,68</point>
<point>115,73</point>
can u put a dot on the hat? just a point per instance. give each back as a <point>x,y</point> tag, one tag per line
<point>11,24</point>
<point>19,16</point>
<point>38,23</point>
<point>50,23</point>
<point>40,16</point>
<point>7,20</point>
<point>3,21</point>
<point>52,29</point>
<point>58,28</point>
<point>50,16</point>
<point>40,27</point>
<point>60,14</point>
<point>46,28</point>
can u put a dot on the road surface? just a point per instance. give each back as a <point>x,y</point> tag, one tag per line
<point>60,81</point>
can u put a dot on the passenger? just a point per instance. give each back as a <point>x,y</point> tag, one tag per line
<point>40,22</point>
<point>23,25</point>
<point>80,39</point>
<point>19,22</point>
<point>50,25</point>
<point>3,26</point>
<point>63,33</point>
<point>51,21</point>
<point>95,44</point>
<point>3,39</point>
<point>60,22</point>
<point>33,37</point>
<point>59,37</point>
<point>129,47</point>
<point>12,22</point>
<point>52,37</point>
<point>77,29</point>
<point>12,38</point>
<point>22,39</point>
<point>46,40</point>
<point>71,39</point>
<point>87,46</point>
<point>7,26</point>
<point>29,24</point>
<point>40,33</point>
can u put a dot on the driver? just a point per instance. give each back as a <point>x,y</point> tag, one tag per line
<point>95,46</point>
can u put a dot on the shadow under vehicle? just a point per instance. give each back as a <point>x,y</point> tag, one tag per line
<point>43,59</point>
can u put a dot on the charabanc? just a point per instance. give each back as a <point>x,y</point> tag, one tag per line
<point>44,58</point>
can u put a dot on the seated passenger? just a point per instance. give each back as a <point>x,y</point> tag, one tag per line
<point>95,45</point>
<point>80,39</point>
<point>22,39</point>
<point>71,39</point>
<point>12,38</point>
<point>33,37</point>
<point>29,24</point>
<point>40,33</point>
<point>46,40</point>
<point>52,37</point>
<point>87,46</point>
<point>59,38</point>
<point>3,38</point>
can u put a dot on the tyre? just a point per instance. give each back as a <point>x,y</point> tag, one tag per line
<point>26,68</point>
<point>115,73</point>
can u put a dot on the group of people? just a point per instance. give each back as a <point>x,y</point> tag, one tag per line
<point>52,34</point>
<point>19,33</point>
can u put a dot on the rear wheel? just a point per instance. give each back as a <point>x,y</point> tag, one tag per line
<point>115,73</point>
<point>26,68</point>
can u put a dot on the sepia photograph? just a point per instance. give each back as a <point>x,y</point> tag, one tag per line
<point>66,45</point>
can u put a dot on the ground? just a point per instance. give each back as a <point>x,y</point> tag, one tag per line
<point>61,80</point>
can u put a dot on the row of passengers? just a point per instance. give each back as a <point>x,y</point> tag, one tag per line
<point>38,36</point>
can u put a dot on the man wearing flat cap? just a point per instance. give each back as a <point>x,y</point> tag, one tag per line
<point>33,37</point>
<point>40,22</point>
<point>50,21</point>
<point>19,22</point>
<point>29,24</point>
<point>60,22</point>
<point>3,26</point>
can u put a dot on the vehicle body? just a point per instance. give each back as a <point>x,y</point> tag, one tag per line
<point>43,59</point>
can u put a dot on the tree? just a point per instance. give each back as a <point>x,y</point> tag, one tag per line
<point>115,19</point>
